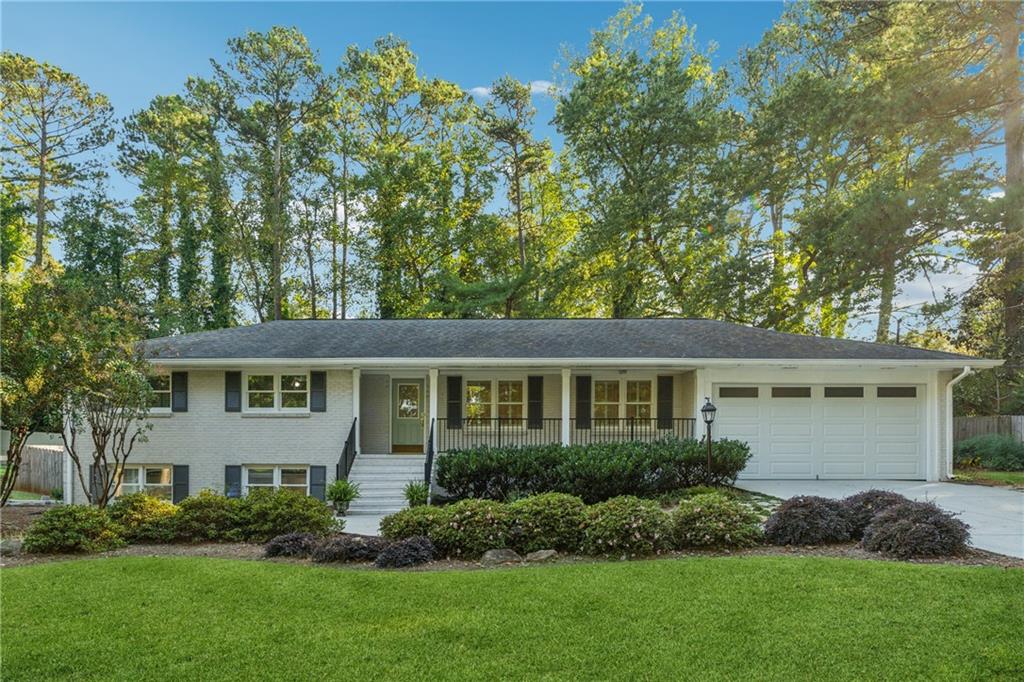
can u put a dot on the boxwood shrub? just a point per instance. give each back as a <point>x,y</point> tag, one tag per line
<point>990,451</point>
<point>862,508</point>
<point>714,520</point>
<point>594,472</point>
<point>144,518</point>
<point>73,528</point>
<point>469,528</point>
<point>548,521</point>
<point>626,526</point>
<point>916,529</point>
<point>808,520</point>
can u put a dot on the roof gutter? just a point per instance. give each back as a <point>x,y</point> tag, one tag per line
<point>967,371</point>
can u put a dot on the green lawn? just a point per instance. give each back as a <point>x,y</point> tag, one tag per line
<point>1014,478</point>
<point>192,618</point>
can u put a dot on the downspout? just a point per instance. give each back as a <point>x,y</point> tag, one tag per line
<point>967,371</point>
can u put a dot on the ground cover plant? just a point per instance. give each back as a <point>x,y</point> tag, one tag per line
<point>593,472</point>
<point>698,618</point>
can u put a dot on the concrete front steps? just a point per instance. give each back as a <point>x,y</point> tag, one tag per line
<point>382,480</point>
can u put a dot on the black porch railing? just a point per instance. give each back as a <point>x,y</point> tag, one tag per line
<point>628,430</point>
<point>497,432</point>
<point>348,453</point>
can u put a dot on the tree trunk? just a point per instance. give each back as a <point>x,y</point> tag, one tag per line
<point>344,237</point>
<point>1013,125</point>
<point>334,250</point>
<point>277,229</point>
<point>19,436</point>
<point>887,291</point>
<point>41,197</point>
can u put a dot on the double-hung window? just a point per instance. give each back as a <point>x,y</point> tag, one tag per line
<point>638,399</point>
<point>160,398</point>
<point>486,399</point>
<point>277,392</point>
<point>289,477</point>
<point>510,399</point>
<point>152,479</point>
<point>606,399</point>
<point>629,398</point>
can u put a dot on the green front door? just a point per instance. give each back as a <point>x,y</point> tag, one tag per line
<point>407,415</point>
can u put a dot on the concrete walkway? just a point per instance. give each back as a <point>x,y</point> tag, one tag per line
<point>363,524</point>
<point>995,515</point>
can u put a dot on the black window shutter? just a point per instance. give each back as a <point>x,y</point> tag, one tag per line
<point>180,490</point>
<point>582,402</point>
<point>455,402</point>
<point>179,391</point>
<point>232,391</point>
<point>534,402</point>
<point>318,482</point>
<point>233,480</point>
<point>665,392</point>
<point>318,391</point>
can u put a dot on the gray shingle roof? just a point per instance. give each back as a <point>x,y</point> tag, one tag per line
<point>553,338</point>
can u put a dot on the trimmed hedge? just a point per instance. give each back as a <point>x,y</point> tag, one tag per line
<point>808,520</point>
<point>73,528</point>
<point>548,521</point>
<point>594,472</point>
<point>990,451</point>
<point>714,520</point>
<point>471,527</point>
<point>144,518</point>
<point>916,529</point>
<point>412,522</point>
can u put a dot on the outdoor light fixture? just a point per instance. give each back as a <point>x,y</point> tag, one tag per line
<point>708,413</point>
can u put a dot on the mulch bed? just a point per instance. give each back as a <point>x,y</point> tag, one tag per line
<point>15,519</point>
<point>973,557</point>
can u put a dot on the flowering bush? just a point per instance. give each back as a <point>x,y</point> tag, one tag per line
<point>412,522</point>
<point>471,527</point>
<point>626,526</point>
<point>714,520</point>
<point>549,521</point>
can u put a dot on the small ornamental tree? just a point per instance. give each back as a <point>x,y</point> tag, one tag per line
<point>107,406</point>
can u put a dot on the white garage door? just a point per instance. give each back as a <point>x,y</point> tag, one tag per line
<point>825,431</point>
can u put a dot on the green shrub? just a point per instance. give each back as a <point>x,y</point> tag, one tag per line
<point>548,521</point>
<point>209,517</point>
<point>714,520</point>
<point>412,522</point>
<point>144,518</point>
<point>416,493</point>
<point>808,520</point>
<point>593,472</point>
<point>990,451</point>
<point>73,528</point>
<point>673,497</point>
<point>626,526</point>
<point>342,493</point>
<point>268,513</point>
<point>471,527</point>
<point>916,529</point>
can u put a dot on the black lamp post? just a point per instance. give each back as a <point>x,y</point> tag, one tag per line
<point>708,413</point>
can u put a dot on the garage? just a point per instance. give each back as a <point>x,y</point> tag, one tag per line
<point>826,430</point>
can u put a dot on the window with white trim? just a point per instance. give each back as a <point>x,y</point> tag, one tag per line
<point>638,399</point>
<point>606,399</point>
<point>160,398</point>
<point>510,399</point>
<point>285,392</point>
<point>478,400</point>
<point>152,479</point>
<point>289,477</point>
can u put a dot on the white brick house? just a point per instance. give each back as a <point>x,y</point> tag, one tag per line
<point>276,403</point>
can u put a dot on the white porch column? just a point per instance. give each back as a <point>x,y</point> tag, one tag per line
<point>701,389</point>
<point>566,378</point>
<point>432,404</point>
<point>355,405</point>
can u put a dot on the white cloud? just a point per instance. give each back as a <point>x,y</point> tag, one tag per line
<point>538,87</point>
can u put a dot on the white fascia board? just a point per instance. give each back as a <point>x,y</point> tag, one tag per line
<point>675,363</point>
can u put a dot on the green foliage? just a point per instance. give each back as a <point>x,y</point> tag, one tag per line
<point>416,493</point>
<point>73,528</point>
<point>412,521</point>
<point>626,527</point>
<point>471,527</point>
<point>268,513</point>
<point>209,517</point>
<point>990,451</point>
<point>342,492</point>
<point>714,520</point>
<point>144,518</point>
<point>548,521</point>
<point>593,472</point>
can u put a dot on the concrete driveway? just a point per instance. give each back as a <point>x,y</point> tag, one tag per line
<point>996,515</point>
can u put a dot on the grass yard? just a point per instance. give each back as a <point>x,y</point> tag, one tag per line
<point>714,618</point>
<point>1010,478</point>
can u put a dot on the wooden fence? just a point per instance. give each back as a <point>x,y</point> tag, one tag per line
<point>41,470</point>
<point>966,427</point>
